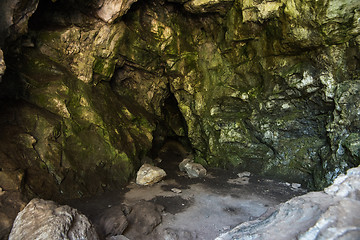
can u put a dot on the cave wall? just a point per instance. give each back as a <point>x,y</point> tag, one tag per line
<point>267,86</point>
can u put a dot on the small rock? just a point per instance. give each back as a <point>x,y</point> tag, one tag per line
<point>226,228</point>
<point>240,181</point>
<point>178,234</point>
<point>148,175</point>
<point>295,185</point>
<point>176,190</point>
<point>117,237</point>
<point>244,174</point>
<point>195,170</point>
<point>157,160</point>
<point>1,191</point>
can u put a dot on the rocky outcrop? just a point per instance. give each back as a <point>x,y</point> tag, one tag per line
<point>42,219</point>
<point>148,175</point>
<point>14,16</point>
<point>331,214</point>
<point>110,10</point>
<point>264,85</point>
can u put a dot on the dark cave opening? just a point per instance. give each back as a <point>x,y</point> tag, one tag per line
<point>170,138</point>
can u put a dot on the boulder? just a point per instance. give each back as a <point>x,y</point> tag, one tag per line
<point>148,175</point>
<point>331,214</point>
<point>143,218</point>
<point>42,219</point>
<point>192,169</point>
<point>183,163</point>
<point>195,170</point>
<point>112,222</point>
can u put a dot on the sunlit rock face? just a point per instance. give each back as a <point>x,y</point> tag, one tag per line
<point>267,86</point>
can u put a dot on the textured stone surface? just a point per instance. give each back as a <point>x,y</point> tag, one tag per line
<point>2,64</point>
<point>148,175</point>
<point>110,10</point>
<point>195,170</point>
<point>14,16</point>
<point>264,85</point>
<point>112,222</point>
<point>42,219</point>
<point>143,218</point>
<point>331,214</point>
<point>203,6</point>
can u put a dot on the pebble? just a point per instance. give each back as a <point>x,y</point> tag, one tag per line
<point>176,190</point>
<point>295,185</point>
<point>244,174</point>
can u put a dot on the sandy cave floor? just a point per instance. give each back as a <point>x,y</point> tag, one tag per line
<point>205,208</point>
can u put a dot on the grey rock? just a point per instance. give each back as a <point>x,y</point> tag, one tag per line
<point>183,163</point>
<point>178,234</point>
<point>42,219</point>
<point>143,218</point>
<point>110,10</point>
<point>112,221</point>
<point>117,237</point>
<point>14,16</point>
<point>331,214</point>
<point>195,170</point>
<point>148,175</point>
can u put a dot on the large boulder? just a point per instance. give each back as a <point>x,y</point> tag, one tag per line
<point>148,175</point>
<point>143,219</point>
<point>42,219</point>
<point>331,214</point>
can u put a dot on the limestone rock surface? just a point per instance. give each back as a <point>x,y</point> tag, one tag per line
<point>195,170</point>
<point>112,9</point>
<point>148,175</point>
<point>42,219</point>
<point>14,16</point>
<point>203,6</point>
<point>143,218</point>
<point>2,64</point>
<point>112,222</point>
<point>330,214</point>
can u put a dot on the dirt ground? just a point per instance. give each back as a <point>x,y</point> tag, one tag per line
<point>205,207</point>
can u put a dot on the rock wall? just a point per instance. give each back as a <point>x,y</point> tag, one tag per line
<point>268,86</point>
